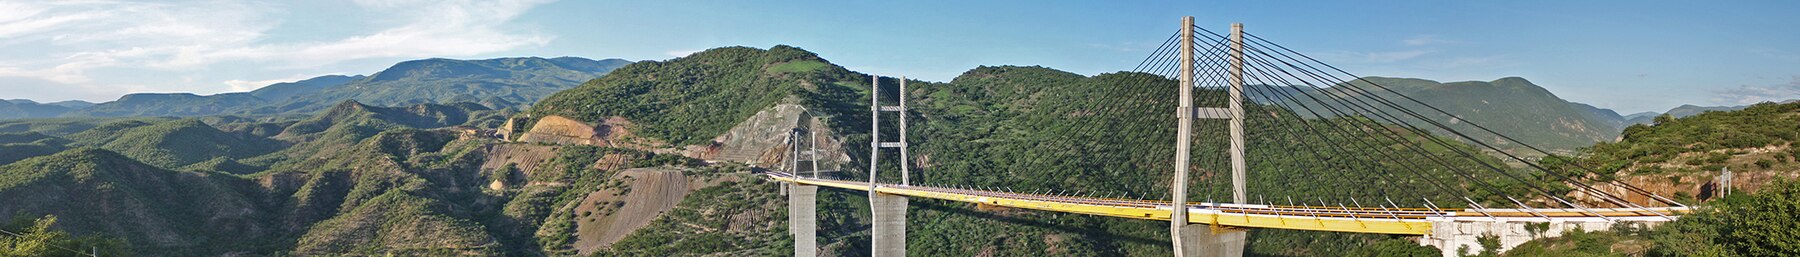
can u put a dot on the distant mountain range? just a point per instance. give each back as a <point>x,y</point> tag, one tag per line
<point>496,83</point>
<point>22,109</point>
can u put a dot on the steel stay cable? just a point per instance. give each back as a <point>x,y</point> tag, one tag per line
<point>1338,125</point>
<point>1390,118</point>
<point>1577,164</point>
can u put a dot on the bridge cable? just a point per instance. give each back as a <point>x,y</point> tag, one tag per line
<point>1384,100</point>
<point>1391,118</point>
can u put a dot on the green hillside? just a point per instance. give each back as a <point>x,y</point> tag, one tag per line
<point>689,100</point>
<point>22,109</point>
<point>100,192</point>
<point>1509,106</point>
<point>991,126</point>
<point>177,143</point>
<point>1759,138</point>
<point>503,80</point>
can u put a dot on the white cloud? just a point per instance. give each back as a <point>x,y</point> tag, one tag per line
<point>1747,94</point>
<point>62,41</point>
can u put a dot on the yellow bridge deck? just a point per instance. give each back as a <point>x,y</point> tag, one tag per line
<point>1383,220</point>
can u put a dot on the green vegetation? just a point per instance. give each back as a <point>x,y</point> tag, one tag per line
<point>1760,224</point>
<point>35,237</point>
<point>1394,248</point>
<point>689,100</point>
<point>1758,138</point>
<point>1510,106</point>
<point>23,109</point>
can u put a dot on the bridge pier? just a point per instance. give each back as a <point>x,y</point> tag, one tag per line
<point>1208,240</point>
<point>803,218</point>
<point>888,228</point>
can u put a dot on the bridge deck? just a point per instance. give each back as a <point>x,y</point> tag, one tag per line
<point>1400,221</point>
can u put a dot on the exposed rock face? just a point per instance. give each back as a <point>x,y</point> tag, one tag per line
<point>614,132</point>
<point>1701,186</point>
<point>762,140</point>
<point>523,157</point>
<point>608,215</point>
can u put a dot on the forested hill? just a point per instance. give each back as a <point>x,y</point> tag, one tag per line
<point>1511,106</point>
<point>496,83</point>
<point>688,100</point>
<point>1028,128</point>
<point>1682,156</point>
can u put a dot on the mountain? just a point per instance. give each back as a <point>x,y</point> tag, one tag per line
<point>159,211</point>
<point>177,143</point>
<point>73,104</point>
<point>1683,111</point>
<point>510,80</point>
<point>1640,118</point>
<point>171,104</point>
<point>1690,110</point>
<point>1511,106</point>
<point>497,83</point>
<point>23,109</point>
<point>287,90</point>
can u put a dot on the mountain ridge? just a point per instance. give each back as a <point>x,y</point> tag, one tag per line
<point>498,83</point>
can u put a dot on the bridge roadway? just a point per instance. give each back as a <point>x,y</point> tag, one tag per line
<point>1378,220</point>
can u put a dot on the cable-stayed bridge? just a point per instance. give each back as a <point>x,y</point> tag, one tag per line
<point>1406,167</point>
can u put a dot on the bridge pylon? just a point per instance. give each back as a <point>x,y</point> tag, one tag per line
<point>888,212</point>
<point>1191,239</point>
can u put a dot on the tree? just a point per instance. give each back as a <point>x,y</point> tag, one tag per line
<point>1395,248</point>
<point>34,237</point>
<point>1766,223</point>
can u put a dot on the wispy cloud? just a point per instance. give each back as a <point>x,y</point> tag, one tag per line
<point>1422,40</point>
<point>1748,94</point>
<point>82,36</point>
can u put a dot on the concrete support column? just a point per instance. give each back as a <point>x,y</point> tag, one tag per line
<point>803,218</point>
<point>1207,240</point>
<point>888,237</point>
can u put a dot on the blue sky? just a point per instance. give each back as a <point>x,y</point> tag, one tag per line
<point>1630,56</point>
